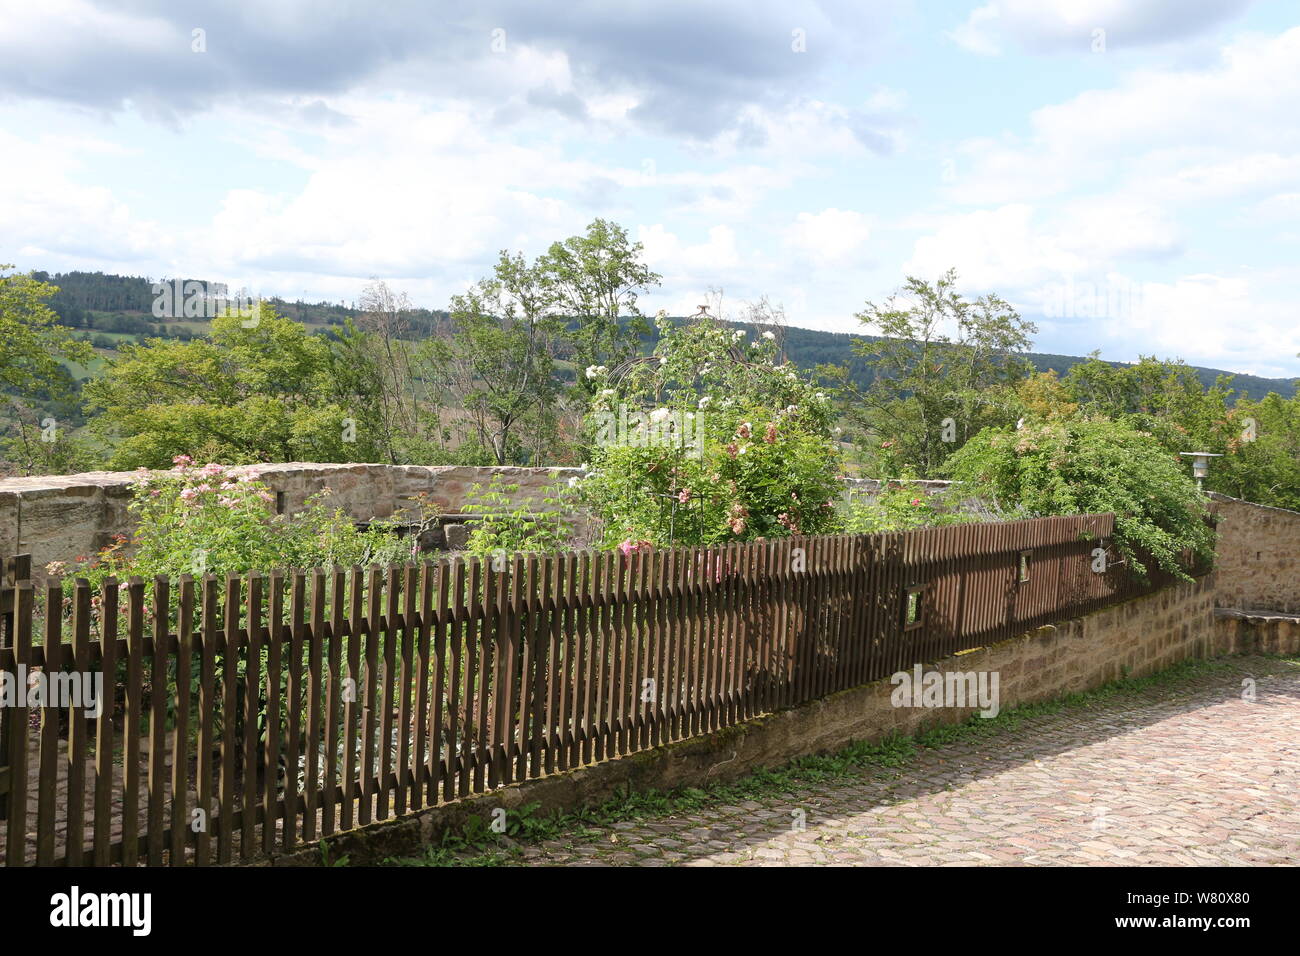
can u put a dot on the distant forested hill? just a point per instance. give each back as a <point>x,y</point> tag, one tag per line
<point>105,303</point>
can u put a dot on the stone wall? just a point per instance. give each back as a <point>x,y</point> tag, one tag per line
<point>1246,632</point>
<point>1136,638</point>
<point>61,517</point>
<point>57,518</point>
<point>1258,556</point>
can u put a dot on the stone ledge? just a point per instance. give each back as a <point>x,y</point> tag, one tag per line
<point>1255,617</point>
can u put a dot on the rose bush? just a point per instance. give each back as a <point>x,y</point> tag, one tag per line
<point>216,519</point>
<point>711,439</point>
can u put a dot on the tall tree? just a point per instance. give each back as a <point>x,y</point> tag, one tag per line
<point>385,320</point>
<point>596,279</point>
<point>32,345</point>
<point>939,371</point>
<point>36,435</point>
<point>500,359</point>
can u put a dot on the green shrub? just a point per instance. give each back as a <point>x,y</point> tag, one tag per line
<point>214,519</point>
<point>900,508</point>
<point>1079,466</point>
<point>506,526</point>
<point>712,439</point>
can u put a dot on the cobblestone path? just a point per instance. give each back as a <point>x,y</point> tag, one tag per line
<point>1185,772</point>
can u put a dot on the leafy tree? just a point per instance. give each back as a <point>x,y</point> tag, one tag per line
<point>1261,452</point>
<point>255,391</point>
<point>1259,440</point>
<point>399,416</point>
<point>930,390</point>
<point>596,279</point>
<point>32,345</point>
<point>1079,466</point>
<point>33,350</point>
<point>1044,396</point>
<point>500,359</point>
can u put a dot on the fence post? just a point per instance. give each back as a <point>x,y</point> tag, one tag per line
<point>13,571</point>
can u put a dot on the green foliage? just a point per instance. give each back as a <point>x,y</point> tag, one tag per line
<point>256,391</point>
<point>36,436</point>
<point>1261,446</point>
<point>219,520</point>
<point>899,507</point>
<point>712,439</point>
<point>1259,440</point>
<point>596,279</point>
<point>1082,466</point>
<point>31,343</point>
<point>499,360</point>
<point>922,377</point>
<point>505,526</point>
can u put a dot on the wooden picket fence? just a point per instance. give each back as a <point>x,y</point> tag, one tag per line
<point>253,714</point>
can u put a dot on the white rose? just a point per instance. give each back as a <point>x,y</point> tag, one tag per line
<point>659,415</point>
<point>769,336</point>
<point>705,402</point>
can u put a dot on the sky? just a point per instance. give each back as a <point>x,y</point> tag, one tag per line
<point>1125,172</point>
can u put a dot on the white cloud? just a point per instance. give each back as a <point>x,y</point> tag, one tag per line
<point>1055,25</point>
<point>1186,135</point>
<point>1217,320</point>
<point>993,249</point>
<point>666,253</point>
<point>46,212</point>
<point>829,237</point>
<point>979,33</point>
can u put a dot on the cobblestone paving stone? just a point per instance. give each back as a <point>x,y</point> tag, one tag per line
<point>1184,773</point>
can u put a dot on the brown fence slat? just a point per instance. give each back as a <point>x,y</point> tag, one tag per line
<point>46,798</point>
<point>271,753</point>
<point>316,703</point>
<point>131,722</point>
<point>369,714</point>
<point>390,631</point>
<point>207,714</point>
<point>251,689</point>
<point>180,749</point>
<point>18,796</point>
<point>228,784</point>
<point>78,745</point>
<point>353,702</point>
